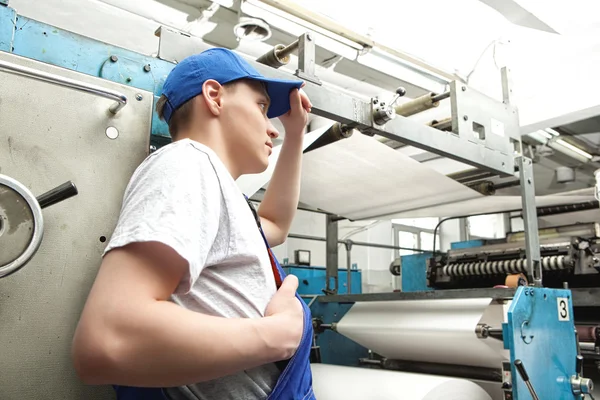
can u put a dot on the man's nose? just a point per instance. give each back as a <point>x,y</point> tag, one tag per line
<point>271,130</point>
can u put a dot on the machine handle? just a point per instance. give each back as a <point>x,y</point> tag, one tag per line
<point>579,365</point>
<point>58,194</point>
<point>521,369</point>
<point>120,98</point>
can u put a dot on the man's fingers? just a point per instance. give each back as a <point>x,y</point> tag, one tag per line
<point>295,101</point>
<point>289,285</point>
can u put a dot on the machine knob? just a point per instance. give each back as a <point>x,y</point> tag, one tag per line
<point>58,194</point>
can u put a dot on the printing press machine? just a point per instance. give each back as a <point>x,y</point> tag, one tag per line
<point>536,339</point>
<point>77,115</point>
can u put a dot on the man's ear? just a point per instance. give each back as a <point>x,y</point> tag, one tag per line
<point>212,93</point>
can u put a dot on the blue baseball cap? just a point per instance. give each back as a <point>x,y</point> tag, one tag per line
<point>186,79</point>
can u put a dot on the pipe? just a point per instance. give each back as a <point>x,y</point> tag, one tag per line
<point>332,135</point>
<point>377,245</point>
<point>566,208</point>
<point>457,371</point>
<point>418,105</point>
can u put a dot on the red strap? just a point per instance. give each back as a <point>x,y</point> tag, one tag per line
<point>278,280</point>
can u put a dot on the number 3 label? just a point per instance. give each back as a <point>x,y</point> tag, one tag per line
<point>563,308</point>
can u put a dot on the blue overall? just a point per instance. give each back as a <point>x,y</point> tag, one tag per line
<point>295,381</point>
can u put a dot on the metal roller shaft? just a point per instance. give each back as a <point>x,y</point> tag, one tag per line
<point>417,105</point>
<point>514,266</point>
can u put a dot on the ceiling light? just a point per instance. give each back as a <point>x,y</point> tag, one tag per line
<point>574,149</point>
<point>252,29</point>
<point>545,134</point>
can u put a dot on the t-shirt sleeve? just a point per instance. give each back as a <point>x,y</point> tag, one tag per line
<point>173,198</point>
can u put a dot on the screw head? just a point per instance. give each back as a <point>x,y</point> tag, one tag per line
<point>465,117</point>
<point>139,97</point>
<point>464,88</point>
<point>114,58</point>
<point>147,68</point>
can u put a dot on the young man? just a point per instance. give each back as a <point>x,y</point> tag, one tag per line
<point>186,297</point>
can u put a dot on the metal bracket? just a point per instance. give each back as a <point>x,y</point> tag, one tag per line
<point>306,59</point>
<point>534,266</point>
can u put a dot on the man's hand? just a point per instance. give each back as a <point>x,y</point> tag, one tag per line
<point>295,120</point>
<point>288,316</point>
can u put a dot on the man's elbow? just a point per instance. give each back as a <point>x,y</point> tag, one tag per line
<point>95,358</point>
<point>278,238</point>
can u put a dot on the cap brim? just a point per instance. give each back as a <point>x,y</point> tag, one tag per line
<point>279,93</point>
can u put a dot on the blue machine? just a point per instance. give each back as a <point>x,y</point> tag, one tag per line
<point>312,280</point>
<point>537,329</point>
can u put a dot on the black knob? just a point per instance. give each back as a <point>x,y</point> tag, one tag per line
<point>521,370</point>
<point>401,91</point>
<point>58,194</point>
<point>579,365</point>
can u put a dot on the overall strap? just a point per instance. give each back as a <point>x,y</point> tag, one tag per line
<point>276,273</point>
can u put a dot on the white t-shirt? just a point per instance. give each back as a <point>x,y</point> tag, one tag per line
<point>182,195</point>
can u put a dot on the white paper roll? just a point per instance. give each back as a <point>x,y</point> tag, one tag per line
<point>437,331</point>
<point>332,382</point>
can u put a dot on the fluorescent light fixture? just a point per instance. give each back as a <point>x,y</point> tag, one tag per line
<point>574,149</point>
<point>545,134</point>
<point>552,131</point>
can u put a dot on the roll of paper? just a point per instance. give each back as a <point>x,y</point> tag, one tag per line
<point>435,331</point>
<point>332,382</point>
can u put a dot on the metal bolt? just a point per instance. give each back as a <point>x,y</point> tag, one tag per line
<point>464,88</point>
<point>112,132</point>
<point>139,97</point>
<point>129,79</point>
<point>152,148</point>
<point>114,58</point>
<point>147,68</point>
<point>465,117</point>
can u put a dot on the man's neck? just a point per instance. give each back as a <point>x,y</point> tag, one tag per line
<point>216,143</point>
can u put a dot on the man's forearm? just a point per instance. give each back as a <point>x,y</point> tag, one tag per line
<point>281,198</point>
<point>163,345</point>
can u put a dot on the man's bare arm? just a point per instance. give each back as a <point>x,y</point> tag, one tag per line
<point>278,208</point>
<point>130,334</point>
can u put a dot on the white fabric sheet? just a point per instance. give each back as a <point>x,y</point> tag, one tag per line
<point>250,184</point>
<point>362,178</point>
<point>332,382</point>
<point>437,331</point>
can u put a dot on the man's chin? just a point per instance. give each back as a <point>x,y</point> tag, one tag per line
<point>258,168</point>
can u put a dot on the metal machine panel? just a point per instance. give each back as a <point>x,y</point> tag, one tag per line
<point>541,335</point>
<point>414,272</point>
<point>466,244</point>
<point>46,43</point>
<point>312,280</point>
<point>52,134</point>
<point>7,27</point>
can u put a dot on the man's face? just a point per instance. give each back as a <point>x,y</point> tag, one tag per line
<point>248,132</point>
